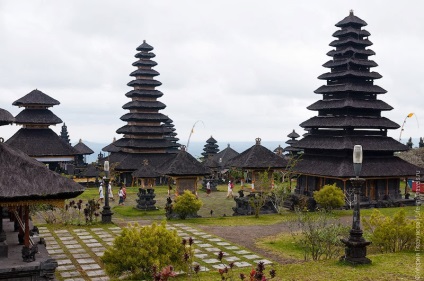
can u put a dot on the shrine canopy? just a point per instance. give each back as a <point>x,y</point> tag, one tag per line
<point>146,171</point>
<point>185,169</point>
<point>258,157</point>
<point>25,181</point>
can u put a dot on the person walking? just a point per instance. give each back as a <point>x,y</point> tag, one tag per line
<point>124,192</point>
<point>110,192</point>
<point>101,193</point>
<point>230,190</point>
<point>208,188</point>
<point>121,196</point>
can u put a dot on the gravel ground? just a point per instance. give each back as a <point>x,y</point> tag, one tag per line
<point>246,236</point>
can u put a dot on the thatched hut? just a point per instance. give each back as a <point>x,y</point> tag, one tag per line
<point>257,159</point>
<point>185,170</point>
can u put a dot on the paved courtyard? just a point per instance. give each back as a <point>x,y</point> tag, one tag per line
<point>78,251</point>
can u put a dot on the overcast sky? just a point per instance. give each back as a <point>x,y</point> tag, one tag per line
<point>246,69</point>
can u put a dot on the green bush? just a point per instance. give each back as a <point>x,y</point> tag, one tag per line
<point>329,197</point>
<point>319,235</point>
<point>392,234</point>
<point>187,204</point>
<point>135,252</point>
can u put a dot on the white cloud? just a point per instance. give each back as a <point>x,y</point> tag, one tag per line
<point>247,69</point>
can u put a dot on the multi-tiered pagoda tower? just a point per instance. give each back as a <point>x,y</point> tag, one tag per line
<point>144,136</point>
<point>64,134</point>
<point>292,140</point>
<point>210,148</point>
<point>350,114</point>
<point>35,138</point>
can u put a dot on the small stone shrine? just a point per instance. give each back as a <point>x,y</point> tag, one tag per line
<point>146,193</point>
<point>254,161</point>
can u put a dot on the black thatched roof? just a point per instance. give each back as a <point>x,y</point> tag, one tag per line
<point>351,61</point>
<point>143,130</point>
<point>144,83</point>
<point>6,117</point>
<point>183,164</point>
<point>342,167</point>
<point>144,143</point>
<point>146,171</point>
<point>133,161</point>
<point>225,155</point>
<point>211,163</point>
<point>293,135</point>
<point>37,116</point>
<point>369,143</point>
<point>23,178</point>
<point>350,51</point>
<point>144,72</point>
<point>350,103</point>
<point>111,148</point>
<point>351,31</point>
<point>351,20</point>
<point>349,122</point>
<point>257,156</point>
<point>83,149</point>
<point>350,73</point>
<point>91,171</point>
<point>146,117</point>
<point>40,142</point>
<point>350,87</point>
<point>144,104</point>
<point>36,97</point>
<point>279,150</point>
<point>144,47</point>
<point>144,93</point>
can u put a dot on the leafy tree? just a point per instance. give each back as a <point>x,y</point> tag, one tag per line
<point>138,249</point>
<point>187,204</point>
<point>329,197</point>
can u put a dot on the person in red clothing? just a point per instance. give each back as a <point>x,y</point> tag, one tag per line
<point>124,192</point>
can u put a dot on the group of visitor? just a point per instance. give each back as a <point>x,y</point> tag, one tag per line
<point>122,193</point>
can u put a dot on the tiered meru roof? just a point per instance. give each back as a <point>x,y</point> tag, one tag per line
<point>144,132</point>
<point>210,148</point>
<point>350,113</point>
<point>36,138</point>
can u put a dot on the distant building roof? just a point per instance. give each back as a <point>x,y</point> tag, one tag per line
<point>83,149</point>
<point>6,117</point>
<point>258,156</point>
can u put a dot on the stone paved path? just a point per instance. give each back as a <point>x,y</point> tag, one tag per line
<point>78,251</point>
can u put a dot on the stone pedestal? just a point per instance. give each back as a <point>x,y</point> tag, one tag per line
<point>146,200</point>
<point>244,207</point>
<point>106,213</point>
<point>356,246</point>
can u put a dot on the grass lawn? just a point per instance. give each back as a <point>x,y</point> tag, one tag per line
<point>391,266</point>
